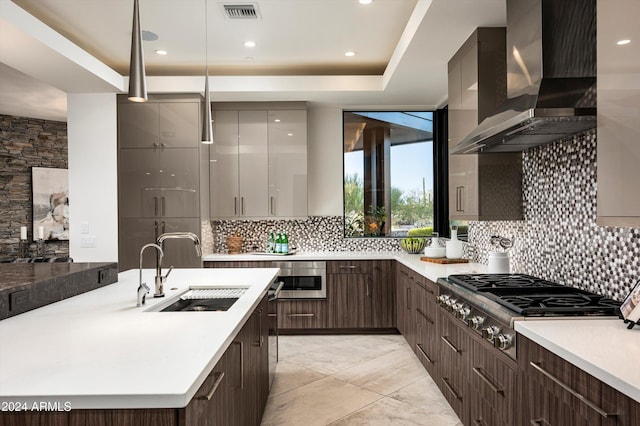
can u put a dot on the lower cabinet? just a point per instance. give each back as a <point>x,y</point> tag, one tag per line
<point>302,314</point>
<point>427,346</point>
<point>234,393</point>
<point>405,305</point>
<point>555,392</point>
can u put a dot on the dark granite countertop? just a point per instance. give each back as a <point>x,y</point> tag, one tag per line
<point>27,286</point>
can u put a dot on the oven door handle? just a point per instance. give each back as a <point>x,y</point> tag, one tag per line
<point>276,293</point>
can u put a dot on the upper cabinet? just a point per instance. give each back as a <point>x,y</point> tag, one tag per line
<point>258,162</point>
<point>156,124</point>
<point>618,156</point>
<point>481,186</point>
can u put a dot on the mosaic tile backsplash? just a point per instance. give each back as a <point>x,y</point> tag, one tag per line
<point>558,240</point>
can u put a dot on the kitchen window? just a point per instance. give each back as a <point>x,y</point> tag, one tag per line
<point>391,179</point>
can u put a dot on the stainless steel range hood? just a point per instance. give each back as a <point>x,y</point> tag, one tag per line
<point>551,77</point>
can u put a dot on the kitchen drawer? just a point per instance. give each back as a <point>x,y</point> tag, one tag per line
<point>302,314</point>
<point>494,380</point>
<point>565,394</point>
<point>349,267</point>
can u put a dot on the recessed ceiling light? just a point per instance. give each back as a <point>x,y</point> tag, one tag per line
<point>277,120</point>
<point>623,42</point>
<point>350,53</point>
<point>249,43</point>
<point>289,134</point>
<point>161,52</point>
<point>249,58</point>
<point>365,1</point>
<point>149,35</point>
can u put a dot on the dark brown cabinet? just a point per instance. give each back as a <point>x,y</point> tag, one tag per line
<point>427,346</point>
<point>556,392</point>
<point>455,355</point>
<point>405,305</point>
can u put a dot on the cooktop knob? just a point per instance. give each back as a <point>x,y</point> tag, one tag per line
<point>503,341</point>
<point>463,312</point>
<point>475,322</point>
<point>442,299</point>
<point>491,333</point>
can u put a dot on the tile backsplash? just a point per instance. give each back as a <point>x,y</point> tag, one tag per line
<point>559,239</point>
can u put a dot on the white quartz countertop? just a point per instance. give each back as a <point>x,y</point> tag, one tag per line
<point>430,270</point>
<point>98,350</point>
<point>604,348</point>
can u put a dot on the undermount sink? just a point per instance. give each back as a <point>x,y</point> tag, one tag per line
<point>202,300</point>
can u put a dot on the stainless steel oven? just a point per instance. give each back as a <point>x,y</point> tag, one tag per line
<point>302,279</point>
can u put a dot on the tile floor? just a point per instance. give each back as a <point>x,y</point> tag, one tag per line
<point>353,380</point>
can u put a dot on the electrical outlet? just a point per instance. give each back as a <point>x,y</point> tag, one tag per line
<point>103,275</point>
<point>84,227</point>
<point>88,242</point>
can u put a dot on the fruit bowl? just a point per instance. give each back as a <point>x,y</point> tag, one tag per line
<point>413,245</point>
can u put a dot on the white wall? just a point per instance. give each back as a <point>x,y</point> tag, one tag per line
<point>93,179</point>
<point>325,161</point>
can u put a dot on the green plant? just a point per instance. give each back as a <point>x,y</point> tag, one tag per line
<point>420,232</point>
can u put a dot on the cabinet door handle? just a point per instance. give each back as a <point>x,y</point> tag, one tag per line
<point>155,224</point>
<point>300,315</point>
<point>241,363</point>
<point>408,301</point>
<point>462,198</point>
<point>219,376</point>
<point>537,366</point>
<point>540,422</point>
<point>451,345</point>
<point>450,388</point>
<point>242,206</point>
<point>271,205</point>
<point>479,422</point>
<point>163,224</point>
<point>260,328</point>
<point>488,381</point>
<point>425,316</point>
<point>347,267</point>
<point>163,205</point>
<point>424,354</point>
<point>235,206</point>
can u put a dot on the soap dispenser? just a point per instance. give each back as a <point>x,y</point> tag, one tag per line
<point>454,246</point>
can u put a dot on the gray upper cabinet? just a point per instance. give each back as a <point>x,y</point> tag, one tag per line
<point>161,174</point>
<point>156,124</point>
<point>481,186</point>
<point>258,161</point>
<point>618,156</point>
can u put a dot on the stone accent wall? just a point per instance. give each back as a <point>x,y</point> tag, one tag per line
<point>26,143</point>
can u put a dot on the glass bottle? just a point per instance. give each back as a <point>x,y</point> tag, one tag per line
<point>271,243</point>
<point>285,243</point>
<point>278,242</point>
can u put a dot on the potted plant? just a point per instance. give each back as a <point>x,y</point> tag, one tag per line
<point>375,221</point>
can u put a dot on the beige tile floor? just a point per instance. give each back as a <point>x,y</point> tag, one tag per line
<point>353,380</point>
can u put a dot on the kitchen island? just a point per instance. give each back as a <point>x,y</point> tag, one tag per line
<point>98,350</point>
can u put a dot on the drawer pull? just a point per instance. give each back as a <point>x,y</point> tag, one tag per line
<point>216,383</point>
<point>489,383</point>
<point>418,310</point>
<point>540,422</point>
<point>451,389</point>
<point>424,354</point>
<point>347,267</point>
<point>446,340</point>
<point>566,387</point>
<point>479,422</point>
<point>300,315</point>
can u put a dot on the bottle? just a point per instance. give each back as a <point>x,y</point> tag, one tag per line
<point>454,246</point>
<point>271,243</point>
<point>285,243</point>
<point>278,243</point>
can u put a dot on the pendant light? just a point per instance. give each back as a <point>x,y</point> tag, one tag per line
<point>137,77</point>
<point>207,129</point>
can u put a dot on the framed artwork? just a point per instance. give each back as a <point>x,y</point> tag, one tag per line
<point>631,306</point>
<point>50,203</point>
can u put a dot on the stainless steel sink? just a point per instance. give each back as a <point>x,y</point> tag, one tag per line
<point>202,299</point>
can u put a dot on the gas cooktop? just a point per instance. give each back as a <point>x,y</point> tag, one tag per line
<point>531,296</point>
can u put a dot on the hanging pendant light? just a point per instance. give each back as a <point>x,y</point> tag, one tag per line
<point>137,77</point>
<point>207,129</point>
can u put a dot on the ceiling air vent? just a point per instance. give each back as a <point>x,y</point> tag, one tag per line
<point>241,11</point>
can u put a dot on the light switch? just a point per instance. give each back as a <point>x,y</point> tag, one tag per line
<point>84,228</point>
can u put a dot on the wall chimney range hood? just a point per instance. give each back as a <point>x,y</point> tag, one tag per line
<point>551,77</point>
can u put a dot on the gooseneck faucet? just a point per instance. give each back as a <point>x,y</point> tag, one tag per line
<point>143,289</point>
<point>160,244</point>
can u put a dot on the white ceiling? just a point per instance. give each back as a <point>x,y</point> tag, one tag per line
<point>402,50</point>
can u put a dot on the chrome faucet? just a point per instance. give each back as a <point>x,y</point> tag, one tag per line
<point>143,289</point>
<point>160,244</point>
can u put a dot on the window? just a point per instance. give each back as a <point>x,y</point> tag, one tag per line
<point>389,173</point>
